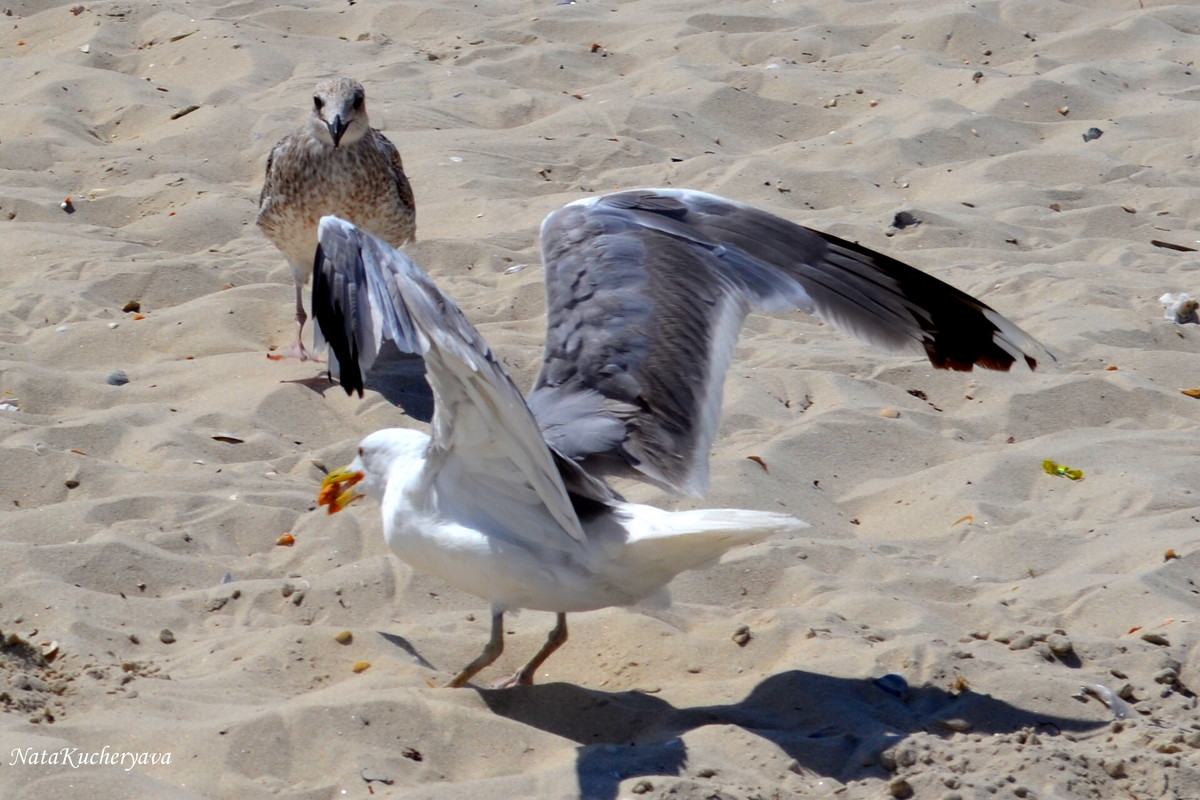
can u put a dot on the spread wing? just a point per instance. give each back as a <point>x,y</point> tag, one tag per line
<point>488,455</point>
<point>646,294</point>
<point>356,302</point>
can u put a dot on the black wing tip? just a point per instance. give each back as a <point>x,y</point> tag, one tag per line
<point>961,332</point>
<point>353,385</point>
<point>330,317</point>
<point>987,354</point>
<point>997,363</point>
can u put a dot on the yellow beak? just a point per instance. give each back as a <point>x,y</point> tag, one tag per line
<point>337,490</point>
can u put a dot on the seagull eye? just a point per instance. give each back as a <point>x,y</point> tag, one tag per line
<point>318,103</point>
<point>358,101</point>
<point>360,452</point>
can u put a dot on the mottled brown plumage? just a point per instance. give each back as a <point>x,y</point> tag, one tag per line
<point>335,163</point>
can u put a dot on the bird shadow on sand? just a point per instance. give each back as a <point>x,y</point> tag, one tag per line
<point>400,378</point>
<point>832,727</point>
<point>406,646</point>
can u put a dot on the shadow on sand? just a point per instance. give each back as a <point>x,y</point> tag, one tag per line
<point>400,378</point>
<point>834,727</point>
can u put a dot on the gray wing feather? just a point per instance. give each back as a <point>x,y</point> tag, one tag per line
<point>646,294</point>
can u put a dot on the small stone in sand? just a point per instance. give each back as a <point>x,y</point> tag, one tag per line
<point>117,378</point>
<point>1060,645</point>
<point>1022,642</point>
<point>375,776</point>
<point>216,603</point>
<point>1166,676</point>
<point>166,636</point>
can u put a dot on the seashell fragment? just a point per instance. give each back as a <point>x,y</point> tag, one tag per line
<point>1180,308</point>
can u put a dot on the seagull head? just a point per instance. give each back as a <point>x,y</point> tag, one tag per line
<point>381,455</point>
<point>340,111</point>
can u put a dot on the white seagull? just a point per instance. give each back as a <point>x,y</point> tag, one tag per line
<point>646,293</point>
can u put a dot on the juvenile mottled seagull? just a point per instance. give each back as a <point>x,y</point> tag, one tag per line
<point>335,163</point>
<point>646,292</point>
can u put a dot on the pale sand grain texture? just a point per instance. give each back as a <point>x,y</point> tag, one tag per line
<point>936,534</point>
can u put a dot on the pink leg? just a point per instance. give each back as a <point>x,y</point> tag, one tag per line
<point>299,350</point>
<point>491,651</point>
<point>556,639</point>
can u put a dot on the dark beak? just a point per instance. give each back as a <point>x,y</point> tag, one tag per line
<point>336,128</point>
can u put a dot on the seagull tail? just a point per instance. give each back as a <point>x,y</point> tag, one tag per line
<point>697,539</point>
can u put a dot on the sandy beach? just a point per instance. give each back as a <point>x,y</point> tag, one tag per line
<point>957,622</point>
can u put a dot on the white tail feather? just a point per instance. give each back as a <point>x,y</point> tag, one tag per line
<point>696,539</point>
